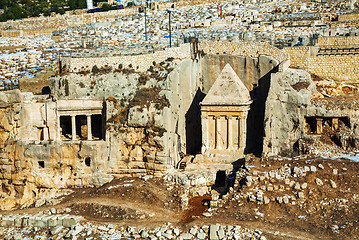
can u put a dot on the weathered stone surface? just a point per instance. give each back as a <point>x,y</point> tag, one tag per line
<point>185,236</point>
<point>319,182</point>
<point>213,232</point>
<point>56,230</point>
<point>201,235</point>
<point>332,183</point>
<point>282,107</point>
<point>300,195</point>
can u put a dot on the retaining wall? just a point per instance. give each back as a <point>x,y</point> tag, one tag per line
<point>144,61</point>
<point>138,62</point>
<point>342,67</point>
<point>338,41</point>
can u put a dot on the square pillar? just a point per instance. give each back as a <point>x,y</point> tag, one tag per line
<point>89,129</point>
<point>73,126</point>
<point>335,123</point>
<point>319,125</point>
<point>46,133</point>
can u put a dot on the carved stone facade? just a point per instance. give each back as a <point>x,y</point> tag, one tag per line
<point>80,120</point>
<point>224,117</point>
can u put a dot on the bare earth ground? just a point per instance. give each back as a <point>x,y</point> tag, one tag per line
<point>325,213</point>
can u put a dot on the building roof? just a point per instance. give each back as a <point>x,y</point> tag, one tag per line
<point>228,89</point>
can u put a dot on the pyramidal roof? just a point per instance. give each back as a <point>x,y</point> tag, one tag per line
<point>228,89</point>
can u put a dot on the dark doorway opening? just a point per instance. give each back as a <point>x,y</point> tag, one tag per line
<point>220,184</point>
<point>40,133</point>
<point>310,125</point>
<point>81,127</point>
<point>221,178</point>
<point>193,125</point>
<point>66,127</point>
<point>46,90</point>
<point>98,131</point>
<point>41,164</point>
<point>88,162</point>
<point>345,121</point>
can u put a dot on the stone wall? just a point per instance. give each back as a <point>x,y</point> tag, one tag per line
<point>143,62</point>
<point>249,49</point>
<point>139,63</point>
<point>64,21</point>
<point>22,33</point>
<point>341,67</point>
<point>348,17</point>
<point>249,69</point>
<point>338,41</point>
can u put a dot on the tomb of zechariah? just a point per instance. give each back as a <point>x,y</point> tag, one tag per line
<point>224,113</point>
<point>196,106</point>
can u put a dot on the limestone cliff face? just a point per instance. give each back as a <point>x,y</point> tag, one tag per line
<point>150,120</point>
<point>288,101</point>
<point>293,102</point>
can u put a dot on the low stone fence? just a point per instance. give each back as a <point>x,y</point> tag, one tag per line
<point>250,49</point>
<point>39,220</point>
<point>111,231</point>
<point>338,41</point>
<point>336,65</point>
<point>348,17</point>
<point>137,62</point>
<point>64,21</point>
<point>143,62</point>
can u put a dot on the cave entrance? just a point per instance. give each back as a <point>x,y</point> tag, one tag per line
<point>66,128</point>
<point>97,126</point>
<point>221,178</point>
<point>314,125</point>
<point>310,125</point>
<point>40,133</point>
<point>88,162</point>
<point>81,127</point>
